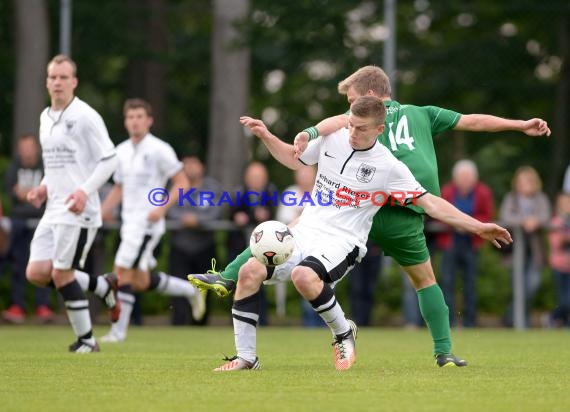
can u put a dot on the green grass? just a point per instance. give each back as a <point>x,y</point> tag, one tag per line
<point>167,369</point>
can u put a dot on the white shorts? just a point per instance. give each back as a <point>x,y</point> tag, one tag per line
<point>137,247</point>
<point>331,259</point>
<point>66,246</point>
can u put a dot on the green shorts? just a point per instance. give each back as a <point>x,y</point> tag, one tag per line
<point>399,232</point>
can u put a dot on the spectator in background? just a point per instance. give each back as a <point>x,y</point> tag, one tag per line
<point>363,281</point>
<point>566,183</point>
<point>559,238</point>
<point>250,210</point>
<point>304,182</point>
<point>527,207</point>
<point>4,234</point>
<point>24,173</point>
<point>461,250</point>
<point>190,247</point>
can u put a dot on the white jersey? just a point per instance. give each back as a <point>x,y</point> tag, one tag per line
<point>352,185</point>
<point>73,142</point>
<point>143,167</point>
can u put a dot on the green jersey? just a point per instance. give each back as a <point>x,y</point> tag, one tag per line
<point>409,135</point>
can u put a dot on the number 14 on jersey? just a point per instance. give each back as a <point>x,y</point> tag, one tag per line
<point>402,135</point>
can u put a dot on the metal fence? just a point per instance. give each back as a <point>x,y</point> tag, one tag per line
<point>518,281</point>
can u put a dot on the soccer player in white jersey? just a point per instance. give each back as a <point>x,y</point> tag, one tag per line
<point>78,158</point>
<point>331,235</point>
<point>146,163</point>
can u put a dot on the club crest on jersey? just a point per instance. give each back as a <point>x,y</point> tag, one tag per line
<point>69,126</point>
<point>365,173</point>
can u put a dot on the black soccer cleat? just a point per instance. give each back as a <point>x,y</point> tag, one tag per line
<point>80,346</point>
<point>111,299</point>
<point>214,282</point>
<point>444,360</point>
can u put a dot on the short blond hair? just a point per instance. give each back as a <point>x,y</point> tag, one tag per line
<point>367,78</point>
<point>61,58</point>
<point>369,107</point>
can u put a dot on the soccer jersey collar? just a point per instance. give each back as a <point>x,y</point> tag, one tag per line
<point>55,115</point>
<point>368,148</point>
<point>140,142</point>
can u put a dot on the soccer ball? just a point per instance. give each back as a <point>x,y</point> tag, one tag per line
<point>271,243</point>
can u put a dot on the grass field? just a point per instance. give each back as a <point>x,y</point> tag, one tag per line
<point>167,369</point>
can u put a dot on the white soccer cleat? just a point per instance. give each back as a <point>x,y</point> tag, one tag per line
<point>198,304</point>
<point>238,364</point>
<point>112,337</point>
<point>344,348</point>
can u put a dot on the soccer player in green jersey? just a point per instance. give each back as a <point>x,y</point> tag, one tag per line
<point>399,231</point>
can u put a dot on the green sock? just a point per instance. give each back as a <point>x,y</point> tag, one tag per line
<point>436,315</point>
<point>231,271</point>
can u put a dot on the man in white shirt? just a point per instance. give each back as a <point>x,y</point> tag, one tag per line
<point>78,158</point>
<point>355,176</point>
<point>146,164</point>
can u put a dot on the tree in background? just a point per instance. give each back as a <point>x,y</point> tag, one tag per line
<point>227,148</point>
<point>32,39</point>
<point>509,58</point>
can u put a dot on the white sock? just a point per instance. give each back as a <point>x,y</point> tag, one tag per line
<point>245,314</point>
<point>78,315</point>
<point>173,286</point>
<point>77,308</point>
<point>84,279</point>
<point>120,327</point>
<point>333,315</point>
<point>245,334</point>
<point>102,287</point>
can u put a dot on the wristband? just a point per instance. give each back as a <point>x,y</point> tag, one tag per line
<point>312,132</point>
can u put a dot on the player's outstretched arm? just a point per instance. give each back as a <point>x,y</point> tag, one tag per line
<point>323,128</point>
<point>441,209</point>
<point>332,124</point>
<point>281,151</point>
<point>489,123</point>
